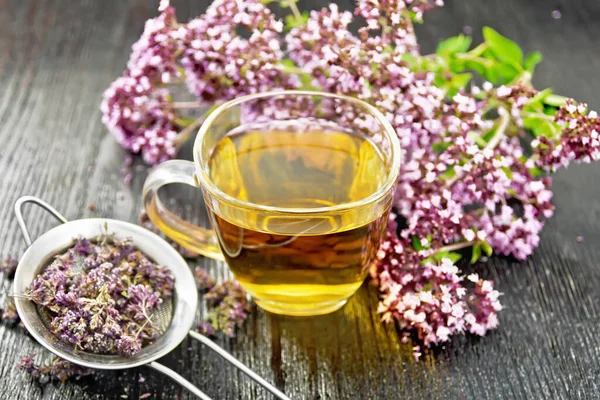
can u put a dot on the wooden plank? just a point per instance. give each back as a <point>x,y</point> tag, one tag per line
<point>56,58</point>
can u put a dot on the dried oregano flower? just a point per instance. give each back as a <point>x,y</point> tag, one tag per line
<point>52,368</point>
<point>9,312</point>
<point>9,266</point>
<point>227,304</point>
<point>101,295</point>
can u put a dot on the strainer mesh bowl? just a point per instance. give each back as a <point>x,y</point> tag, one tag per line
<point>174,317</point>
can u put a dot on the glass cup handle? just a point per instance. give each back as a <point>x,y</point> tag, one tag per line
<point>192,237</point>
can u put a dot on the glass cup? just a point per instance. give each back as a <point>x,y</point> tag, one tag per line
<point>298,186</point>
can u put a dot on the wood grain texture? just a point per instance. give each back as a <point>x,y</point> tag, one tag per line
<point>56,58</point>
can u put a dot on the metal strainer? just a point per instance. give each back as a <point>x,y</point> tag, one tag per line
<point>175,317</point>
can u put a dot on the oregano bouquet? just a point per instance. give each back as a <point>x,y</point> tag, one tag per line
<point>479,141</point>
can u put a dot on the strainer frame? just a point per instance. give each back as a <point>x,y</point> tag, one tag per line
<point>22,304</point>
<point>57,239</point>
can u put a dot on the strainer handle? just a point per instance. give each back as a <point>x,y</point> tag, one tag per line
<point>19,214</point>
<point>179,379</point>
<point>239,365</point>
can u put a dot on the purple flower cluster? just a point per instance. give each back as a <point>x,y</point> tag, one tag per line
<point>208,54</point>
<point>203,280</point>
<point>9,313</point>
<point>459,186</point>
<point>579,139</point>
<point>140,118</point>
<point>431,298</point>
<point>447,168</point>
<point>53,368</point>
<point>219,64</point>
<point>228,304</point>
<point>9,266</point>
<point>136,107</point>
<point>228,307</point>
<point>101,295</point>
<point>466,180</point>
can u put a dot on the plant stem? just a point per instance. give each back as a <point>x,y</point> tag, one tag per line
<point>185,132</point>
<point>187,104</point>
<point>555,100</point>
<point>290,69</point>
<point>183,136</point>
<point>384,28</point>
<point>537,115</point>
<point>295,11</point>
<point>487,63</point>
<point>504,120</point>
<point>456,246</point>
<point>477,51</point>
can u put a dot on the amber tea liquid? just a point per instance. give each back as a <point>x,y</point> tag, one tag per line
<point>298,264</point>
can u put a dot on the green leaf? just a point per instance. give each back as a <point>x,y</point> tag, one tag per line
<point>491,74</point>
<point>455,44</point>
<point>505,73</point>
<point>292,22</point>
<point>477,139</point>
<point>487,248</point>
<point>184,121</point>
<point>541,126</point>
<point>416,242</point>
<point>555,100</point>
<point>546,128</point>
<point>490,134</point>
<point>287,62</point>
<point>461,80</point>
<point>476,253</point>
<point>508,172</point>
<point>535,171</point>
<point>478,66</point>
<point>410,60</point>
<point>456,65</point>
<point>448,174</point>
<point>503,48</point>
<point>531,61</point>
<point>440,147</point>
<point>458,82</point>
<point>535,102</point>
<point>454,257</point>
<point>306,82</point>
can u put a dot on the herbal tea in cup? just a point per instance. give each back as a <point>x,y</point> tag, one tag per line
<point>298,186</point>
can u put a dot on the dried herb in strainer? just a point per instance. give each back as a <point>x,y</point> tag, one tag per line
<point>101,295</point>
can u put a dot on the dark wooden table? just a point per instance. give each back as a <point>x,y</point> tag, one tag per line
<point>56,58</point>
